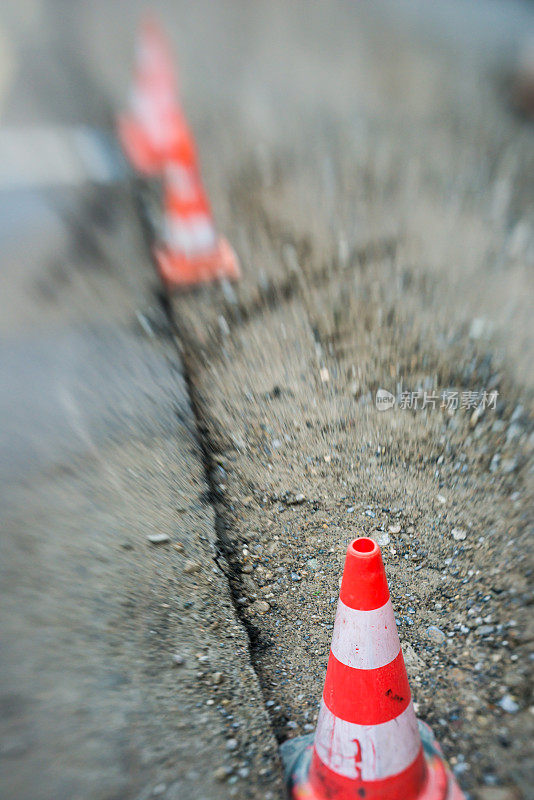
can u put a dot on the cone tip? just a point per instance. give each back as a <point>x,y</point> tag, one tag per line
<point>363,547</point>
<point>364,584</point>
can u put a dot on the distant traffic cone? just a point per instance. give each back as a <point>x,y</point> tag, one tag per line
<point>368,743</point>
<point>154,124</point>
<point>191,252</point>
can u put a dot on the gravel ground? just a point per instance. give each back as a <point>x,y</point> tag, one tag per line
<point>390,248</point>
<point>366,166</point>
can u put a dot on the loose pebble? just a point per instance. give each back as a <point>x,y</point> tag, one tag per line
<point>158,538</point>
<point>395,528</point>
<point>260,606</point>
<point>508,704</point>
<point>435,634</point>
<point>191,566</point>
<point>221,773</point>
<point>458,534</point>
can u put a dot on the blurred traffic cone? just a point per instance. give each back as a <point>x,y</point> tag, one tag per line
<point>368,743</point>
<point>155,122</point>
<point>191,252</point>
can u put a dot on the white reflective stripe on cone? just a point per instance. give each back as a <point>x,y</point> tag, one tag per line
<point>372,752</point>
<point>158,126</point>
<point>182,181</point>
<point>191,236</point>
<point>365,639</point>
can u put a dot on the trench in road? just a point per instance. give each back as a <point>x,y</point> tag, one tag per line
<point>227,558</point>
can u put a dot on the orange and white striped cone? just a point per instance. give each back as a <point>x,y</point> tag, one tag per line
<point>154,123</point>
<point>368,743</point>
<point>191,252</point>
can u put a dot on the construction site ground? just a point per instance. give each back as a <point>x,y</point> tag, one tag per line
<point>368,167</point>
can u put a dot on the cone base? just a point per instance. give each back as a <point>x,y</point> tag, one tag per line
<point>180,271</point>
<point>137,148</point>
<point>298,756</point>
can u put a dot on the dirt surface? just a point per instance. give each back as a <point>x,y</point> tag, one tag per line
<point>364,162</point>
<point>390,246</point>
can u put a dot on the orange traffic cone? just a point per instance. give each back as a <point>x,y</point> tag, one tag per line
<point>368,743</point>
<point>191,252</point>
<point>154,123</point>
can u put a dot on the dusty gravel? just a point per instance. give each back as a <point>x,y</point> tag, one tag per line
<point>365,164</point>
<point>386,242</point>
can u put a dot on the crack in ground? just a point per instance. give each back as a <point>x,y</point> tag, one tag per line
<point>226,558</point>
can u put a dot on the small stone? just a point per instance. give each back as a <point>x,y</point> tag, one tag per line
<point>221,773</point>
<point>296,500</point>
<point>458,534</point>
<point>295,576</point>
<point>518,413</point>
<point>484,630</point>
<point>411,659</point>
<point>312,564</point>
<point>158,538</point>
<point>217,678</point>
<point>223,326</point>
<point>509,465</point>
<point>178,660</point>
<point>508,704</point>
<point>231,744</point>
<point>441,499</point>
<point>159,789</point>
<point>243,772</point>
<point>247,569</point>
<point>324,375</point>
<point>514,432</point>
<point>383,539</point>
<point>260,606</point>
<point>191,566</point>
<point>395,528</point>
<point>478,328</point>
<point>435,634</point>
